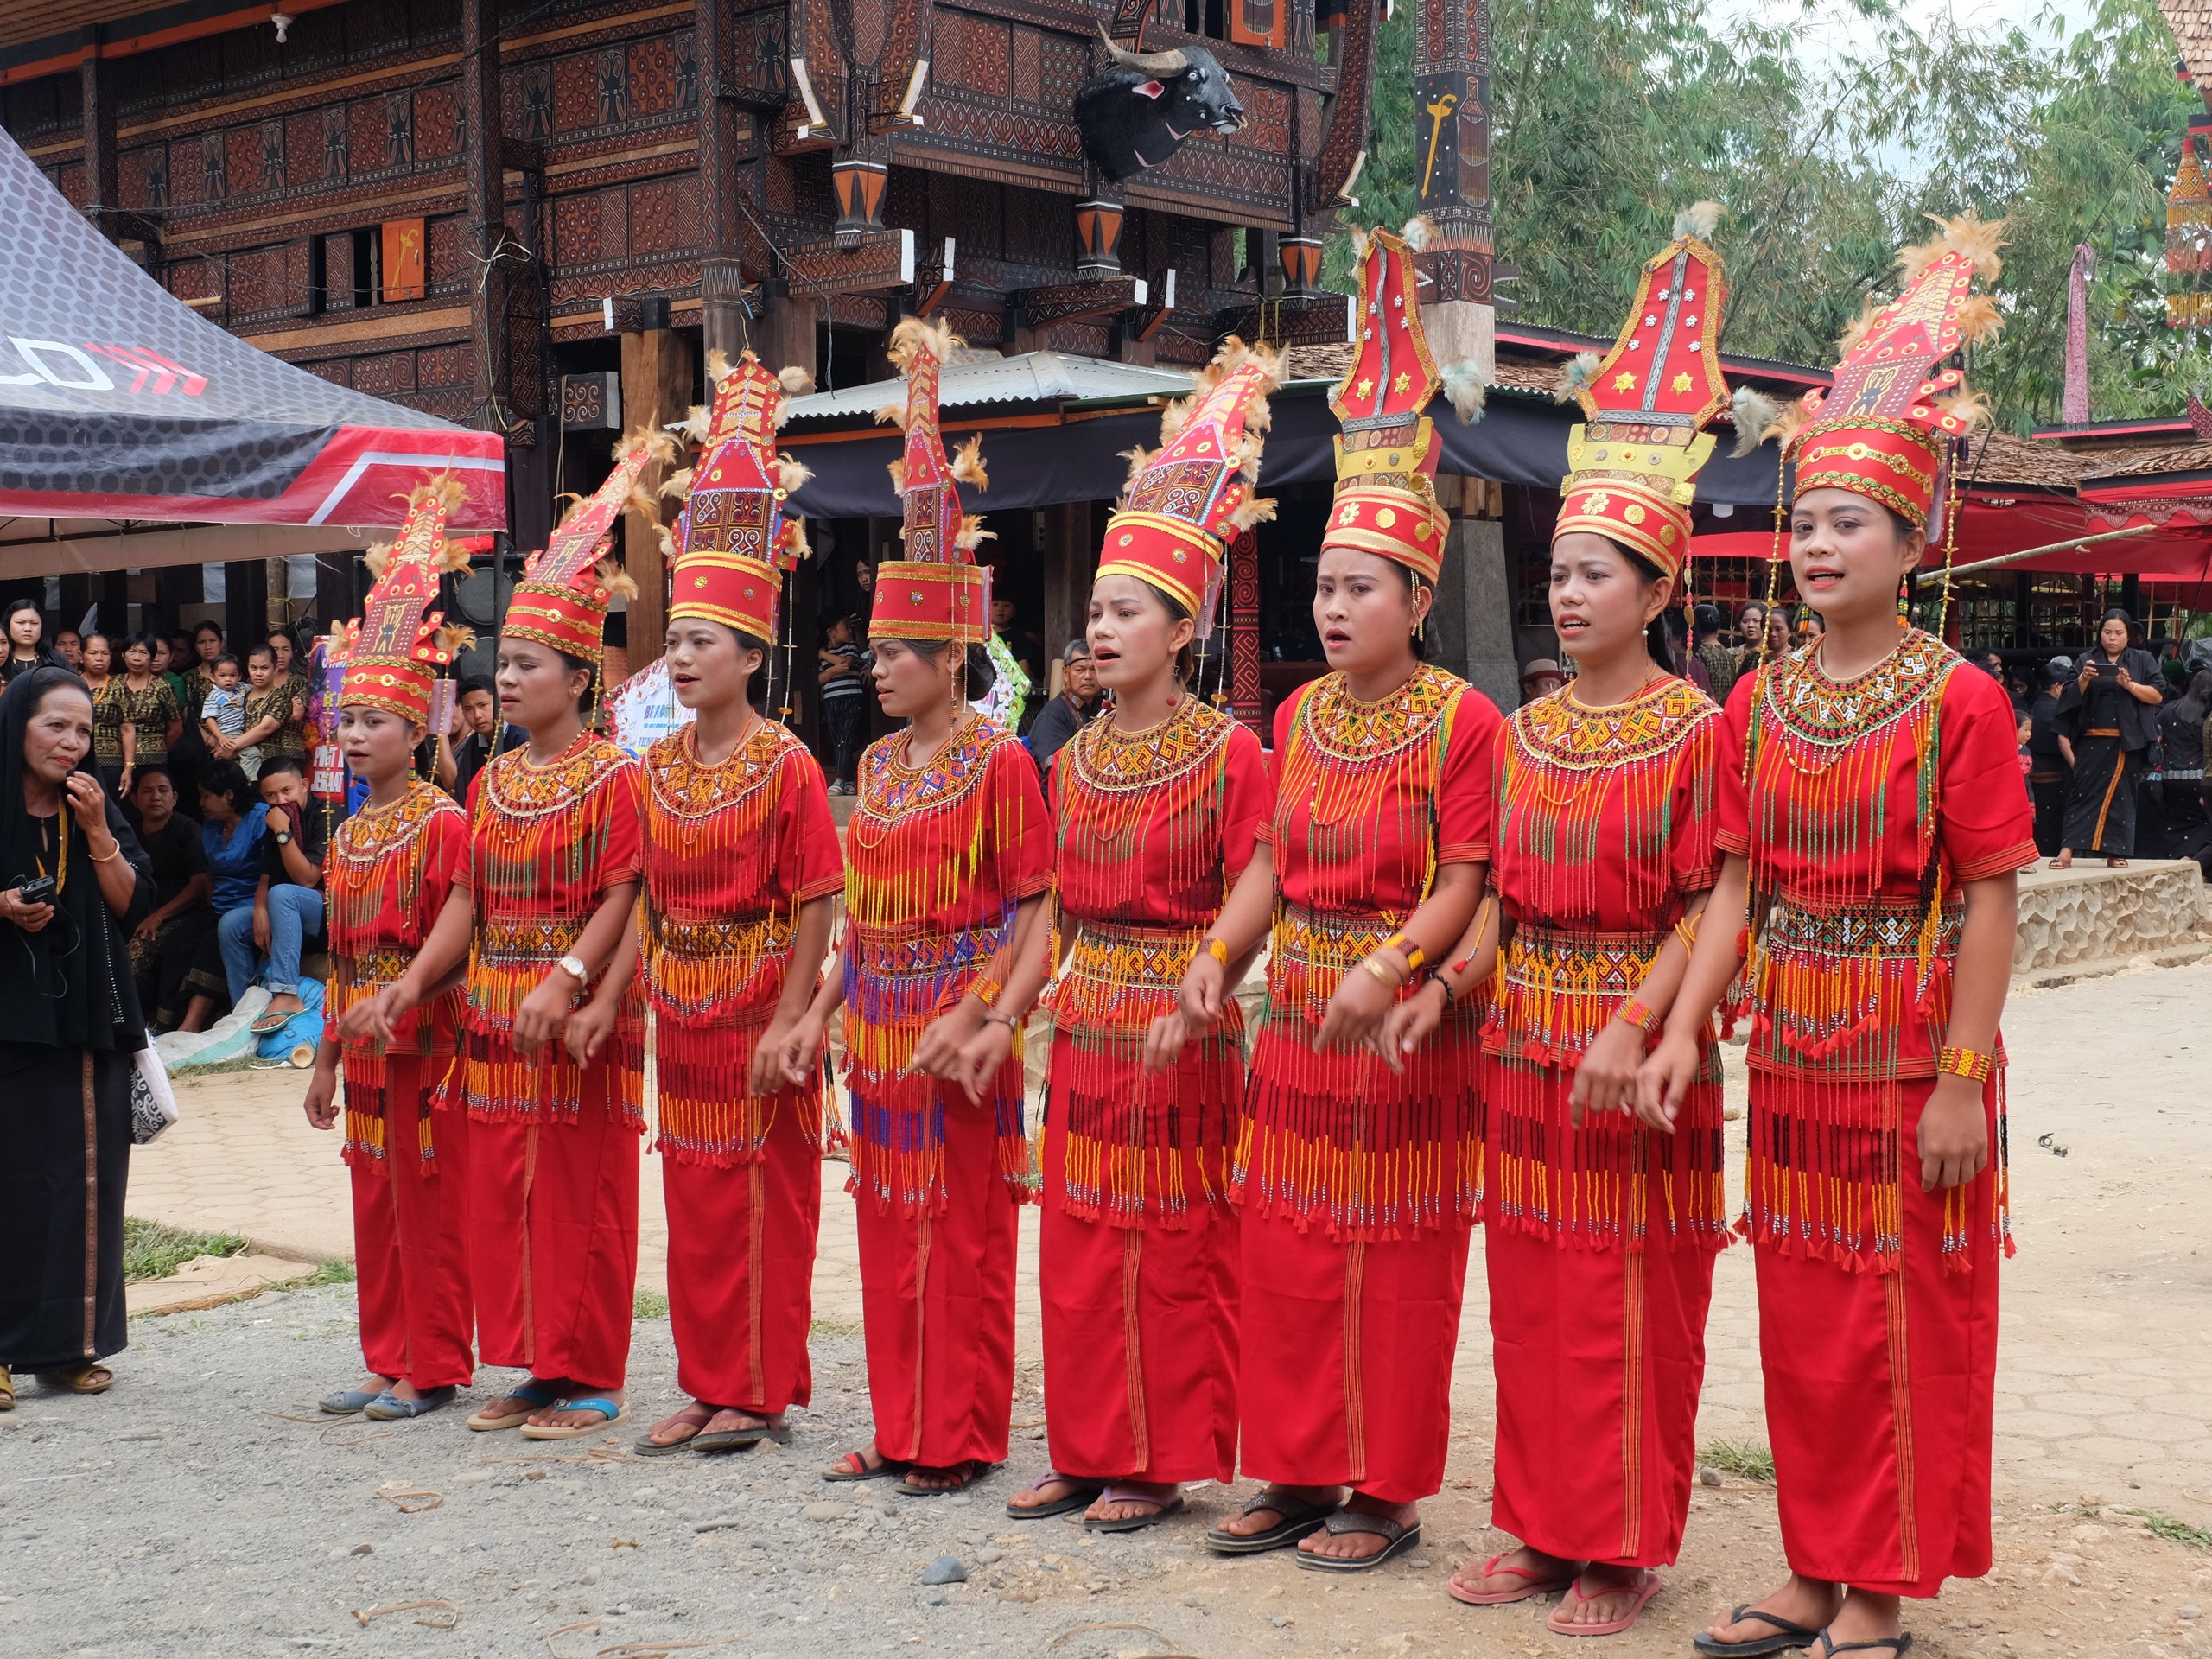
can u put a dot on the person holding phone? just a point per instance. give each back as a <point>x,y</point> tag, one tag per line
<point>2109,710</point>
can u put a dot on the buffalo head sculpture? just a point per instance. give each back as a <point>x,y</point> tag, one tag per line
<point>1138,112</point>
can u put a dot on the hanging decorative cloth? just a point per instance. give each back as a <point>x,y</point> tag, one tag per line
<point>1633,465</point>
<point>937,591</point>
<point>1185,501</point>
<point>733,540</point>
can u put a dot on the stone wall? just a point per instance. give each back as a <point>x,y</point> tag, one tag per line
<point>2091,913</point>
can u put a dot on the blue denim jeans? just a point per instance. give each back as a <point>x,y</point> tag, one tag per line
<point>295,914</point>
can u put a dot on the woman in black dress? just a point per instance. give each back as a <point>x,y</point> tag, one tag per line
<point>2110,711</point>
<point>66,1048</point>
<point>2181,800</point>
<point>164,946</point>
<point>26,647</point>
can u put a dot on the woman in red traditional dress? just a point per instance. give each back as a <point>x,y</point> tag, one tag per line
<point>1600,1229</point>
<point>1155,807</point>
<point>741,871</point>
<point>555,1064</point>
<point>947,859</point>
<point>391,868</point>
<point>1358,1177</point>
<point>1872,818</point>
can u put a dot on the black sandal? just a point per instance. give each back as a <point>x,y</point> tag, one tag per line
<point>1396,1535</point>
<point>1081,1499</point>
<point>1789,1635</point>
<point>1298,1518</point>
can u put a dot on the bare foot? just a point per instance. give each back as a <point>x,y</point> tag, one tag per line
<point>679,1426</point>
<point>1603,1595</point>
<point>960,1475</point>
<point>2064,862</point>
<point>1533,1566</point>
<point>2115,863</point>
<point>507,1404</point>
<point>1807,1602</point>
<point>1866,1617</point>
<point>553,1416</point>
<point>731,1419</point>
<point>1053,1488</point>
<point>1134,1500</point>
<point>1261,1519</point>
<point>1359,1546</point>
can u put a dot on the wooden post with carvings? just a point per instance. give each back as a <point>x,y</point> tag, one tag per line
<point>486,181</point>
<point>100,148</point>
<point>721,280</point>
<point>658,385</point>
<point>1452,143</point>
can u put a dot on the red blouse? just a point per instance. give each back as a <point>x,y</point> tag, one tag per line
<point>545,844</point>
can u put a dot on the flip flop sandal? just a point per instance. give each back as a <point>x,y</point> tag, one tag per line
<point>344,1403</point>
<point>271,1023</point>
<point>1529,1591</point>
<point>389,1408</point>
<point>610,1415</point>
<point>1788,1634</point>
<point>645,1446</point>
<point>538,1394</point>
<point>1081,1499</point>
<point>1560,1623</point>
<point>79,1381</point>
<point>1396,1534</point>
<point>7,1388</point>
<point>850,1466</point>
<point>1298,1518</point>
<point>1898,1645</point>
<point>1161,1508</point>
<point>736,1440</point>
<point>964,1475</point>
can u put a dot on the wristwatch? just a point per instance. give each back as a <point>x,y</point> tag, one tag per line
<point>575,965</point>
<point>284,837</point>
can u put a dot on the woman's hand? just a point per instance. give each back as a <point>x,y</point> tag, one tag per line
<point>980,1058</point>
<point>373,1017</point>
<point>544,1013</point>
<point>1604,1079</point>
<point>321,1103</point>
<point>800,1056</point>
<point>261,928</point>
<point>2089,674</point>
<point>88,805</point>
<point>1204,991</point>
<point>1164,1041</point>
<point>122,783</point>
<point>938,1053</point>
<point>149,927</point>
<point>1662,1082</point>
<point>1953,1134</point>
<point>32,919</point>
<point>587,1028</point>
<point>1412,1023</point>
<point>766,1075</point>
<point>2123,676</point>
<point>1356,1012</point>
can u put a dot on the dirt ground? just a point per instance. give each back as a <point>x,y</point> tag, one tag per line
<point>200,1508</point>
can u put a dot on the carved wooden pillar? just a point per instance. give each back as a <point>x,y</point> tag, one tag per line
<point>1244,632</point>
<point>1451,140</point>
<point>100,148</point>
<point>488,209</point>
<point>658,382</point>
<point>721,280</point>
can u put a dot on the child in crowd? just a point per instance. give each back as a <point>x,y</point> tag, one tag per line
<point>844,701</point>
<point>222,718</point>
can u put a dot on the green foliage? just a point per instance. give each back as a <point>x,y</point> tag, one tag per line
<point>1745,1458</point>
<point>332,1272</point>
<point>152,1250</point>
<point>649,1304</point>
<point>1610,115</point>
<point>2174,1531</point>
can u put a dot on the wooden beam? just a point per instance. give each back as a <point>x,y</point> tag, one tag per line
<point>100,146</point>
<point>1040,308</point>
<point>1160,305</point>
<point>659,384</point>
<point>1322,320</point>
<point>932,283</point>
<point>881,260</point>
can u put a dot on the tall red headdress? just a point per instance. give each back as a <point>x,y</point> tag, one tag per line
<point>1884,429</point>
<point>562,597</point>
<point>734,540</point>
<point>1633,465</point>
<point>1186,499</point>
<point>392,653</point>
<point>1387,454</point>
<point>936,591</point>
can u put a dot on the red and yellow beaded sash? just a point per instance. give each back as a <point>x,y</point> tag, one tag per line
<point>1339,1138</point>
<point>534,827</point>
<point>713,976</point>
<point>1839,971</point>
<point>1140,813</point>
<point>372,883</point>
<point>917,843</point>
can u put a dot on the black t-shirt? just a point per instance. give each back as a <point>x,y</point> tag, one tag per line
<point>309,835</point>
<point>178,855</point>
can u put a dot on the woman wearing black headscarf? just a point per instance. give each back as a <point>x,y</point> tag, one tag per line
<point>2110,711</point>
<point>73,1025</point>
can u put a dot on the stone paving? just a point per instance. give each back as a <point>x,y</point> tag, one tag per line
<point>2106,1331</point>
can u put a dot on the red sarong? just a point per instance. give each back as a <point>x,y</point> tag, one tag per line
<point>411,1236</point>
<point>1140,1338</point>
<point>740,1270</point>
<point>937,1298</point>
<point>1880,1385</point>
<point>553,1239</point>
<point>1346,1373</point>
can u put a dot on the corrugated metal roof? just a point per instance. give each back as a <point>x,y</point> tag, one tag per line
<point>1027,378</point>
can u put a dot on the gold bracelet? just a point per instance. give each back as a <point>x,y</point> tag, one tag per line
<point>1968,1063</point>
<point>112,853</point>
<point>1381,972</point>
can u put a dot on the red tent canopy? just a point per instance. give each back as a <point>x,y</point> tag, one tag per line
<point>119,401</point>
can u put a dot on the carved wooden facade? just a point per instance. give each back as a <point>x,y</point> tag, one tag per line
<point>760,168</point>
